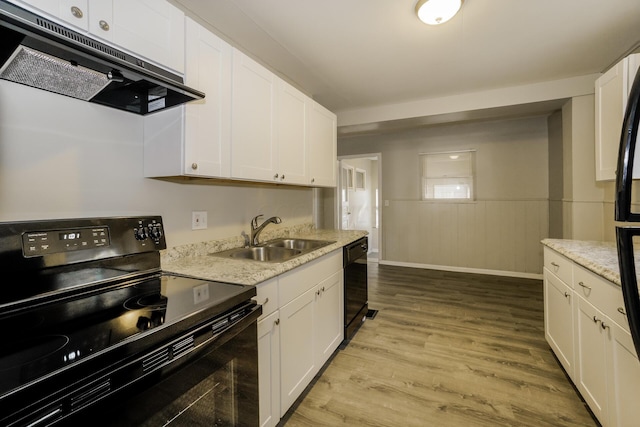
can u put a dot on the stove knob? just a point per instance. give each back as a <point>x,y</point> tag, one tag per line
<point>155,232</point>
<point>140,233</point>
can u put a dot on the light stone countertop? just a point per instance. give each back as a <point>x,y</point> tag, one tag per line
<point>197,259</point>
<point>598,257</point>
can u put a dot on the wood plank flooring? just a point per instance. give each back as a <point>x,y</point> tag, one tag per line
<point>445,349</point>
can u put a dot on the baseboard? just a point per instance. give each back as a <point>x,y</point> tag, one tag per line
<point>464,269</point>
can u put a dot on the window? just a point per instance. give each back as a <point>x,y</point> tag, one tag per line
<point>448,176</point>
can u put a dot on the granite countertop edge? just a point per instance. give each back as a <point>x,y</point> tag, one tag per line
<point>198,259</point>
<point>598,257</point>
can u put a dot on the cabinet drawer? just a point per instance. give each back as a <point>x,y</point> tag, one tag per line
<point>296,282</point>
<point>267,295</point>
<point>602,294</point>
<point>558,265</point>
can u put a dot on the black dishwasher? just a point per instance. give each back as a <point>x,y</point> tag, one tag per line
<point>355,286</point>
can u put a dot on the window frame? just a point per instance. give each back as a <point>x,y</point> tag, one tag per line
<point>467,178</point>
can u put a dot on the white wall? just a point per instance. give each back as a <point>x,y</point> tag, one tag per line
<point>63,158</point>
<point>501,231</point>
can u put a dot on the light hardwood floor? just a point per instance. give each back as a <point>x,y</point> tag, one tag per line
<point>445,349</point>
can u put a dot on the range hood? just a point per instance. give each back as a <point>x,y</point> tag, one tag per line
<point>40,53</point>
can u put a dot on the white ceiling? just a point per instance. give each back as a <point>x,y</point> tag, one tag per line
<point>350,54</point>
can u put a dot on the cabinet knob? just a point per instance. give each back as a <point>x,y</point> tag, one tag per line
<point>621,311</point>
<point>104,25</point>
<point>604,325</point>
<point>595,319</point>
<point>313,180</point>
<point>77,12</point>
<point>555,265</point>
<point>282,178</point>
<point>194,166</point>
<point>265,301</point>
<point>277,321</point>
<point>275,176</point>
<point>566,294</point>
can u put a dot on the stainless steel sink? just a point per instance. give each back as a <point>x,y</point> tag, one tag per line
<point>304,245</point>
<point>261,253</point>
<point>278,250</point>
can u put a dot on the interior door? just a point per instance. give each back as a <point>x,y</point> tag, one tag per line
<point>346,178</point>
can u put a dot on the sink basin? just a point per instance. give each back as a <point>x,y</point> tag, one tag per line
<point>262,253</point>
<point>278,250</point>
<point>303,245</point>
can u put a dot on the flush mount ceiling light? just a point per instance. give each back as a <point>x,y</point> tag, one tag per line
<point>436,12</point>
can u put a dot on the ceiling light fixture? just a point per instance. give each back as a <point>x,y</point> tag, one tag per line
<point>436,12</point>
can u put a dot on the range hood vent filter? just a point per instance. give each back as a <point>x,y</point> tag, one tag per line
<point>33,68</point>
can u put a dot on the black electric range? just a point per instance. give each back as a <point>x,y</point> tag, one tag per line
<point>86,310</point>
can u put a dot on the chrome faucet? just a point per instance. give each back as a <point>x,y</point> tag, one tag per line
<point>257,229</point>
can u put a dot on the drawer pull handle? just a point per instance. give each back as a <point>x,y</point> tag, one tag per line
<point>265,301</point>
<point>555,265</point>
<point>584,286</point>
<point>604,325</point>
<point>566,294</point>
<point>596,320</point>
<point>621,311</point>
<point>277,321</point>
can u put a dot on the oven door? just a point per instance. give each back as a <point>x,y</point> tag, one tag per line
<point>217,387</point>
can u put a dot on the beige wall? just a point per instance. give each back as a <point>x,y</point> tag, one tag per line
<point>62,158</point>
<point>501,231</point>
<point>583,198</point>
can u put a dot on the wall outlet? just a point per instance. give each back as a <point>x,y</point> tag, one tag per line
<point>198,220</point>
<point>200,293</point>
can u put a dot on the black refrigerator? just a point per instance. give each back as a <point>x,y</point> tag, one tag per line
<point>628,217</point>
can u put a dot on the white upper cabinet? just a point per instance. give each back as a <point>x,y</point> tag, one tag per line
<point>194,139</point>
<point>208,121</point>
<point>74,12</point>
<point>292,108</point>
<point>322,136</point>
<point>150,29</point>
<point>611,92</point>
<point>253,151</point>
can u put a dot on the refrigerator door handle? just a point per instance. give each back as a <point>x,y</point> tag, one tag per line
<point>629,280</point>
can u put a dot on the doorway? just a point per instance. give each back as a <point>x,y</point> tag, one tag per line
<point>358,201</point>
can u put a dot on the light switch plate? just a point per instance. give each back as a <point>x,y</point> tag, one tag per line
<point>199,220</point>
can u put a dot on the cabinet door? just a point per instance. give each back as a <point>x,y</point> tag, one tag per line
<point>269,369</point>
<point>297,353</point>
<point>150,28</point>
<point>624,379</point>
<point>330,316</point>
<point>207,150</point>
<point>593,342</point>
<point>253,152</point>
<point>558,320</point>
<point>74,12</point>
<point>322,146</point>
<point>611,92</point>
<point>291,135</point>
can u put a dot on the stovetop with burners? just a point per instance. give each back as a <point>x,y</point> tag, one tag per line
<point>90,294</point>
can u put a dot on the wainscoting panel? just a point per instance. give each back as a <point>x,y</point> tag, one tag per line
<point>501,235</point>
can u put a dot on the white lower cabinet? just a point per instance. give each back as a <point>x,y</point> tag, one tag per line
<point>624,379</point>
<point>269,369</point>
<point>297,348</point>
<point>269,353</point>
<point>605,368</point>
<point>300,328</point>
<point>592,341</point>
<point>558,319</point>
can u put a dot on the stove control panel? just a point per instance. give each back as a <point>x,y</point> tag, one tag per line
<point>39,243</point>
<point>148,230</point>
